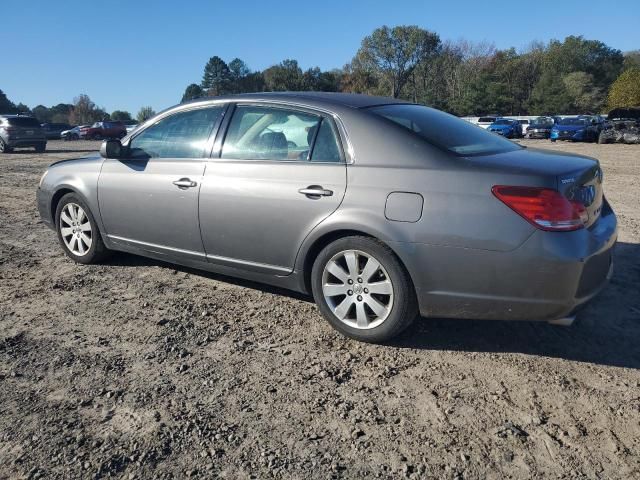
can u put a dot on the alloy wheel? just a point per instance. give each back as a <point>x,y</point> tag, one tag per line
<point>75,229</point>
<point>357,289</point>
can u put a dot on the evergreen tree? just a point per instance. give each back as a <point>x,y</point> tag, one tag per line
<point>216,77</point>
<point>192,91</point>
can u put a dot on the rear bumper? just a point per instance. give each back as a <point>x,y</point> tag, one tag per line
<point>549,276</point>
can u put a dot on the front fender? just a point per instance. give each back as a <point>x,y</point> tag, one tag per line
<point>78,176</point>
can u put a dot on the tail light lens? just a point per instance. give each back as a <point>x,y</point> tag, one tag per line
<point>544,208</point>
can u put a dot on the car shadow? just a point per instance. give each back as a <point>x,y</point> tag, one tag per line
<point>122,259</point>
<point>606,332</point>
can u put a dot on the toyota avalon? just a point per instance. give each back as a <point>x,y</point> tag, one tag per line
<point>381,209</point>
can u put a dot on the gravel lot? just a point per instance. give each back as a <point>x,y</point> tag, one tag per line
<point>140,369</point>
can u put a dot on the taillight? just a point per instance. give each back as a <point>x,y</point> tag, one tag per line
<point>544,208</point>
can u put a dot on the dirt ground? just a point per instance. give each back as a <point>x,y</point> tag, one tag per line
<point>140,369</point>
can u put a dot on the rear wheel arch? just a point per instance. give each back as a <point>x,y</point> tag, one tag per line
<point>325,239</point>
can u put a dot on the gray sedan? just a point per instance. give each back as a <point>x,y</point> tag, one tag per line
<point>381,209</point>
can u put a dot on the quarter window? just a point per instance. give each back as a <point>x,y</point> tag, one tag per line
<point>266,133</point>
<point>326,147</point>
<point>181,135</point>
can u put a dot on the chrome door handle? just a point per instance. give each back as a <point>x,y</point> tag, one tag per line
<point>185,183</point>
<point>315,191</point>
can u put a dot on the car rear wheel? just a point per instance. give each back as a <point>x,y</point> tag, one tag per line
<point>363,290</point>
<point>78,232</point>
<point>4,148</point>
<point>41,147</point>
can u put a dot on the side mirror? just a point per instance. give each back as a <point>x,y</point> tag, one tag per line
<point>111,149</point>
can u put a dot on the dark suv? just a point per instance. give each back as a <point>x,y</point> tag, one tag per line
<point>100,130</point>
<point>19,131</point>
<point>53,130</point>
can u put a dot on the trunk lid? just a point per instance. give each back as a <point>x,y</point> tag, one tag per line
<point>576,177</point>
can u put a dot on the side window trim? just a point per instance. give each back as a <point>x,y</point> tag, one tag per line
<point>206,151</point>
<point>313,140</point>
<point>216,153</point>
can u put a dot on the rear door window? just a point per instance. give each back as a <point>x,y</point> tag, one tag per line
<point>269,133</point>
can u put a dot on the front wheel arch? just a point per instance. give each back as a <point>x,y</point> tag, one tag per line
<point>55,199</point>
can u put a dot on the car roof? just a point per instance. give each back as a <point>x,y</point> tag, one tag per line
<point>353,100</point>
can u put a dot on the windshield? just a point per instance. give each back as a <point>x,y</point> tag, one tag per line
<point>445,131</point>
<point>573,121</point>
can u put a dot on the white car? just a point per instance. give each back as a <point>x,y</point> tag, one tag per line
<point>484,122</point>
<point>72,134</point>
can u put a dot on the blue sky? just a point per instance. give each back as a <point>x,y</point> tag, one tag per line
<point>126,54</point>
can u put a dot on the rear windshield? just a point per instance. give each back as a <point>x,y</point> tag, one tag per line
<point>23,122</point>
<point>487,119</point>
<point>542,122</point>
<point>445,131</point>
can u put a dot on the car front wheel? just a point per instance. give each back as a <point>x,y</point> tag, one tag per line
<point>77,231</point>
<point>363,290</point>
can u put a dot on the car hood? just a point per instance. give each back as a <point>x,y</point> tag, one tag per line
<point>91,158</point>
<point>570,128</point>
<point>500,127</point>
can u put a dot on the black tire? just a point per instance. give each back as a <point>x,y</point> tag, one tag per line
<point>553,140</point>
<point>4,148</point>
<point>97,251</point>
<point>96,136</point>
<point>404,308</point>
<point>40,148</point>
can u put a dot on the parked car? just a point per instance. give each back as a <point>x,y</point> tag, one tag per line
<point>485,122</point>
<point>506,127</point>
<point>20,131</point>
<point>621,123</point>
<point>576,129</point>
<point>524,125</point>
<point>380,209</point>
<point>100,130</point>
<point>540,127</point>
<point>53,130</point>
<point>73,133</point>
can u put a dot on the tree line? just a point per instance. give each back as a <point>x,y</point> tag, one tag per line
<point>83,111</point>
<point>575,75</point>
<point>464,78</point>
